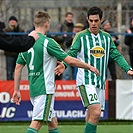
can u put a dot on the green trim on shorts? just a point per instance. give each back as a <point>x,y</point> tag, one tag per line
<point>47,107</point>
<point>84,96</point>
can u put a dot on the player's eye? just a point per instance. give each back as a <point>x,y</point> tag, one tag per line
<point>96,20</point>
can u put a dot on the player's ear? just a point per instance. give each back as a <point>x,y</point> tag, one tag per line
<point>102,19</point>
<point>87,19</point>
<point>46,24</point>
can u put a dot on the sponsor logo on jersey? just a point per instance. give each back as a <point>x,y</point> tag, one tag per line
<point>97,52</point>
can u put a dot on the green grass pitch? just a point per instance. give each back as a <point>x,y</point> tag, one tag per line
<point>102,128</point>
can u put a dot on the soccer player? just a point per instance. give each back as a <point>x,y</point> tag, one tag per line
<point>41,60</point>
<point>94,47</point>
<point>17,44</point>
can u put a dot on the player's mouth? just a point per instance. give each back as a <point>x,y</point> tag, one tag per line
<point>94,28</point>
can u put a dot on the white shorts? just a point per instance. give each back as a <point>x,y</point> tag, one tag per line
<point>43,107</point>
<point>91,95</point>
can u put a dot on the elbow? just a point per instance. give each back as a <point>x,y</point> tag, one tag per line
<point>70,60</point>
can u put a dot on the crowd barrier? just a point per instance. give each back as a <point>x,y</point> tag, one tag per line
<point>68,33</point>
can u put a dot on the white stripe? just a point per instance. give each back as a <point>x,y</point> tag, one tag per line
<point>106,56</point>
<point>23,56</point>
<point>109,46</point>
<point>82,50</point>
<point>94,44</point>
<point>44,69</point>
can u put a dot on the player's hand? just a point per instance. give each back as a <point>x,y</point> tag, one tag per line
<point>34,34</point>
<point>16,97</point>
<point>59,69</point>
<point>130,72</point>
<point>93,69</point>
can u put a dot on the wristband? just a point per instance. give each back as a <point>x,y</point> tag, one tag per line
<point>131,69</point>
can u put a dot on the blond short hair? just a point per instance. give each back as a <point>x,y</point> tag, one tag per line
<point>41,17</point>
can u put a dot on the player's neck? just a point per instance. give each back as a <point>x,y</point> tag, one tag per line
<point>40,30</point>
<point>93,32</point>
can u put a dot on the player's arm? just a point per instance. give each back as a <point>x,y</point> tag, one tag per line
<point>17,44</point>
<point>119,59</point>
<point>17,77</point>
<point>75,47</point>
<point>54,50</point>
<point>76,63</point>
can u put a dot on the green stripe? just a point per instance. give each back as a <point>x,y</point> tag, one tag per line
<point>103,59</point>
<point>47,107</point>
<point>32,130</point>
<point>98,65</point>
<point>84,95</point>
<point>53,130</point>
<point>86,60</point>
<point>91,59</point>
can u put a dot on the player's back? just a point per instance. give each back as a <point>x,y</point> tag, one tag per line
<point>40,67</point>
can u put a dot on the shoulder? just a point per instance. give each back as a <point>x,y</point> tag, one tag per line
<point>52,42</point>
<point>50,39</point>
<point>82,33</point>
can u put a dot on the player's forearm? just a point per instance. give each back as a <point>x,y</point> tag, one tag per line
<point>77,63</point>
<point>17,77</point>
<point>80,64</point>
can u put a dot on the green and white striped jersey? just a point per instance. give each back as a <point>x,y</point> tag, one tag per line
<point>95,50</point>
<point>41,60</point>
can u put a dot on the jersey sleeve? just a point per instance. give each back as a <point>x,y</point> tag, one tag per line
<point>55,50</point>
<point>75,47</point>
<point>118,58</point>
<point>20,59</point>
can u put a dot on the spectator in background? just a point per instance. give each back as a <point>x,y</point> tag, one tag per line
<point>78,27</point>
<point>106,26</point>
<point>11,57</point>
<point>2,25</point>
<point>129,40</point>
<point>67,26</point>
<point>69,71</point>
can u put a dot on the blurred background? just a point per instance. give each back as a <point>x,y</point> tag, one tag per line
<point>118,12</point>
<point>119,92</point>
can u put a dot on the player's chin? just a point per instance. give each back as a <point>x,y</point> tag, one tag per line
<point>94,30</point>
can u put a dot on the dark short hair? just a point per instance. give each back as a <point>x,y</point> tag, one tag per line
<point>95,11</point>
<point>69,13</point>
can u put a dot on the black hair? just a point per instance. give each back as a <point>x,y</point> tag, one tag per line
<point>95,11</point>
<point>69,13</point>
